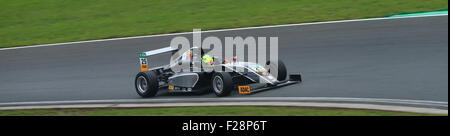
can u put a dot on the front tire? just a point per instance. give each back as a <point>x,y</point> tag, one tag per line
<point>146,84</point>
<point>222,84</point>
<point>282,72</point>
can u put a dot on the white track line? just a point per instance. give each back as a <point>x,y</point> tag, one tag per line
<point>221,30</point>
<point>323,99</point>
<point>296,104</point>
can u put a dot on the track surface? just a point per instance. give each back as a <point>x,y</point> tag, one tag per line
<point>395,59</point>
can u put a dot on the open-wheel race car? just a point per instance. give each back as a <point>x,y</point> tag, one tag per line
<point>251,77</point>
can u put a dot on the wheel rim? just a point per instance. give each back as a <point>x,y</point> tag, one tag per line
<point>142,84</point>
<point>218,84</point>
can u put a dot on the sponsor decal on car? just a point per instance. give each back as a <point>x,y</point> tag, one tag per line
<point>244,90</point>
<point>143,62</point>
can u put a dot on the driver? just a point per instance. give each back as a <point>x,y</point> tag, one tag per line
<point>207,59</point>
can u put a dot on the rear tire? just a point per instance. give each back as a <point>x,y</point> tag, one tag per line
<point>146,84</point>
<point>222,83</point>
<point>282,72</point>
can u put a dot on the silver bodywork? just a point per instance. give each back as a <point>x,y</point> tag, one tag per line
<point>188,80</point>
<point>258,75</point>
<point>252,71</point>
<point>254,68</point>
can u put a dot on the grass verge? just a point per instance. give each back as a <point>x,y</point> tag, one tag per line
<point>207,111</point>
<point>29,22</point>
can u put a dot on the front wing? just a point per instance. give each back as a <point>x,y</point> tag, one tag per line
<point>258,87</point>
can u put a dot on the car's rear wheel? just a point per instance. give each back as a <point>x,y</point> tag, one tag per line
<point>146,84</point>
<point>282,72</point>
<point>222,84</point>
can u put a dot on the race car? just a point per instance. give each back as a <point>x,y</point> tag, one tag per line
<point>251,78</point>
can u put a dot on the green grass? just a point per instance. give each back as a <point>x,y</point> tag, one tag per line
<point>207,111</point>
<point>29,22</point>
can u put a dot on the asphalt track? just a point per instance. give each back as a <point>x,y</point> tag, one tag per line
<point>395,59</point>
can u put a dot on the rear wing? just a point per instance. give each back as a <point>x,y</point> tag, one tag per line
<point>143,56</point>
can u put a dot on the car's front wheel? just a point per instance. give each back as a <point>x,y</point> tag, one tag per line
<point>222,84</point>
<point>282,72</point>
<point>146,84</point>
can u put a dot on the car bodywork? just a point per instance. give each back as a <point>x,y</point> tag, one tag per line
<point>251,77</point>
